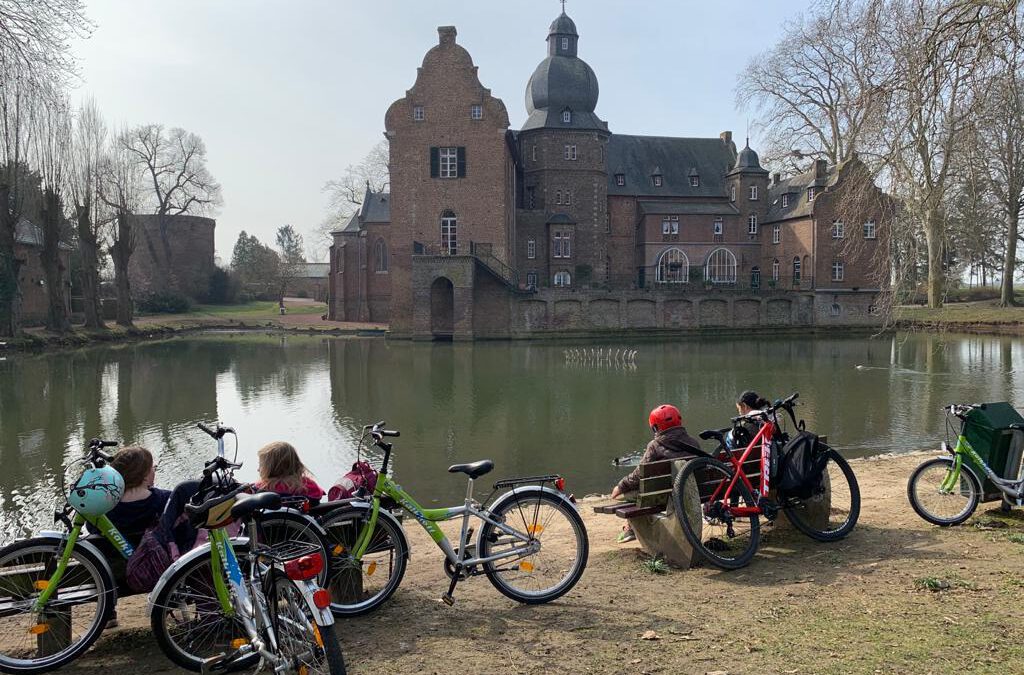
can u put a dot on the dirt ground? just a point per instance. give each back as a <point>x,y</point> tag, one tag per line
<point>858,606</point>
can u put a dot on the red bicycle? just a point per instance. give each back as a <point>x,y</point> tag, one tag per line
<point>719,507</point>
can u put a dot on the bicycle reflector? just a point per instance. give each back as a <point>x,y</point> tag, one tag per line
<point>322,599</point>
<point>560,484</point>
<point>306,567</point>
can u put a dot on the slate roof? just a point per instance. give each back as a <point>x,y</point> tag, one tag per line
<point>28,233</point>
<point>352,226</point>
<point>376,208</point>
<point>637,157</point>
<point>563,25</point>
<point>688,208</point>
<point>796,188</point>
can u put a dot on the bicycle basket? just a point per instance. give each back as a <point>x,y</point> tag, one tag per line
<point>994,434</point>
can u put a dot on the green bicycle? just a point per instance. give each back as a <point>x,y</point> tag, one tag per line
<point>946,490</point>
<point>532,544</point>
<point>57,590</point>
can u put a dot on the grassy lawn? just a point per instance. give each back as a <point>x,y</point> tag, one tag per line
<point>985,311</point>
<point>252,312</point>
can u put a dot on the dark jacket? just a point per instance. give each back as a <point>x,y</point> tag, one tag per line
<point>673,443</point>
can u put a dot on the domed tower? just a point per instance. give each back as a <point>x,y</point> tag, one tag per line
<point>561,234</point>
<point>748,190</point>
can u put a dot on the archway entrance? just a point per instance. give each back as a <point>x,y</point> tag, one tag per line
<point>442,309</point>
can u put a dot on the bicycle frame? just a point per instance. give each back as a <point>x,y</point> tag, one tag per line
<point>763,437</point>
<point>1014,489</point>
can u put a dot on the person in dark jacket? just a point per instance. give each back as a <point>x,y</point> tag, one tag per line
<point>671,441</point>
<point>742,435</point>
<point>142,503</point>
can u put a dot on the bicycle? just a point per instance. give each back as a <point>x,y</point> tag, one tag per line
<point>719,508</point>
<point>57,590</point>
<point>943,483</point>
<point>370,551</point>
<point>234,602</point>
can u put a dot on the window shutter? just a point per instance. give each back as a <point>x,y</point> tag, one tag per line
<point>435,163</point>
<point>462,161</point>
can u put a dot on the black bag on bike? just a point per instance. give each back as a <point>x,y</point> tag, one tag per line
<point>801,466</point>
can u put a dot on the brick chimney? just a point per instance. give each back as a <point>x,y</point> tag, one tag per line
<point>726,137</point>
<point>446,35</point>
<point>820,169</point>
<point>776,178</point>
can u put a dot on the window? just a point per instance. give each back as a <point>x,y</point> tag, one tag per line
<point>810,194</point>
<point>533,153</point>
<point>448,162</point>
<point>558,196</point>
<point>417,113</point>
<point>562,279</point>
<point>838,229</point>
<point>718,226</point>
<point>673,267</point>
<point>531,197</point>
<point>566,116</point>
<point>796,270</point>
<point>869,230</point>
<point>561,244</point>
<point>694,181</point>
<point>785,201</point>
<point>531,249</point>
<point>449,240</point>
<point>570,152</point>
<point>837,270</point>
<point>657,181</point>
<point>721,267</point>
<point>380,256</point>
<point>835,309</point>
<point>670,225</point>
<point>732,193</point>
<point>776,233</point>
<point>531,279</point>
<point>775,270</point>
<point>753,193</point>
<point>476,112</point>
<point>752,224</point>
<point>620,179</point>
<point>568,197</point>
<point>755,277</point>
<point>565,44</point>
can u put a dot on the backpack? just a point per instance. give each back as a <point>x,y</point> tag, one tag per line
<point>149,561</point>
<point>801,466</point>
<point>362,475</point>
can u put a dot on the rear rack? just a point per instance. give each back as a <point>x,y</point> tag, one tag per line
<point>287,550</point>
<point>509,482</point>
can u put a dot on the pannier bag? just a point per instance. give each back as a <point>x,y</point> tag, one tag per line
<point>801,466</point>
<point>362,475</point>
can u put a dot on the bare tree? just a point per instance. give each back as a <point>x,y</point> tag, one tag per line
<point>345,194</point>
<point>120,190</point>
<point>88,147</point>
<point>35,36</point>
<point>176,181</point>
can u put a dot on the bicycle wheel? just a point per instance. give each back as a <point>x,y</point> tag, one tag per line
<point>724,540</point>
<point>945,508</point>
<point>306,645</point>
<point>360,586</point>
<point>74,617</point>
<point>188,621</point>
<point>277,528</point>
<point>831,511</point>
<point>560,559</point>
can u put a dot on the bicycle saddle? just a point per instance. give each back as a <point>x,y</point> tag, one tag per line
<point>246,505</point>
<point>474,469</point>
<point>717,434</point>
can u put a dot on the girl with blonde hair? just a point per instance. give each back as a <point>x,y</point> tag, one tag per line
<point>283,472</point>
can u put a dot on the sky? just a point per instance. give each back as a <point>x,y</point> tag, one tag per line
<point>287,94</point>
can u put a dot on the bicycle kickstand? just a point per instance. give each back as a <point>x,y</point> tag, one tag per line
<point>447,597</point>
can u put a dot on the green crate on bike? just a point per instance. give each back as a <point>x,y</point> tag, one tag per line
<point>990,431</point>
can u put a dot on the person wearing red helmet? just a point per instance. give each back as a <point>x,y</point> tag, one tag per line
<point>671,441</point>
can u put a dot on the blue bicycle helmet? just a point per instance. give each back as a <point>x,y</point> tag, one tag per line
<point>97,491</point>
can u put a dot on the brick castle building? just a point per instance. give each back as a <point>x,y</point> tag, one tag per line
<point>564,226</point>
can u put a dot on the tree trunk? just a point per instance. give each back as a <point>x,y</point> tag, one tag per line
<point>1010,257</point>
<point>936,270</point>
<point>88,247</point>
<point>121,252</point>
<point>10,294</point>
<point>53,268</point>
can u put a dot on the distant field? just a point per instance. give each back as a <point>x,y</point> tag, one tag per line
<point>985,311</point>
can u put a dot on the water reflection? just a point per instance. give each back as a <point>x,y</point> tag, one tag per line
<point>522,404</point>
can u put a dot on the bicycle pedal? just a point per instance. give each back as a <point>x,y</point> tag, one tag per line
<point>211,664</point>
<point>447,599</point>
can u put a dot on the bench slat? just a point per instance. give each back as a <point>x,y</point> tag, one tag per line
<point>655,484</point>
<point>657,498</point>
<point>613,508</point>
<point>662,467</point>
<point>636,511</point>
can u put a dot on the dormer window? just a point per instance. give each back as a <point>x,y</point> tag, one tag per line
<point>732,193</point>
<point>566,116</point>
<point>785,201</point>
<point>565,44</point>
<point>657,181</point>
<point>810,194</point>
<point>694,181</point>
<point>620,179</point>
<point>417,113</point>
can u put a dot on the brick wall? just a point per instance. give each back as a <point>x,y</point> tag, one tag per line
<point>175,252</point>
<point>35,296</point>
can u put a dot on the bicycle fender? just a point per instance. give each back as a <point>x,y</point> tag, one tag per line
<point>307,588</point>
<point>196,552</point>
<point>382,513</point>
<point>511,494</point>
<point>313,522</point>
<point>88,546</point>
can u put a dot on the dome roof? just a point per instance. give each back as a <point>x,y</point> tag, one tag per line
<point>747,159</point>
<point>563,25</point>
<point>561,82</point>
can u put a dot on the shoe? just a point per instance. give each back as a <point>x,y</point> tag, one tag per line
<point>625,536</point>
<point>112,623</point>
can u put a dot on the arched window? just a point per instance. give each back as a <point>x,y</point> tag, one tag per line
<point>449,233</point>
<point>755,277</point>
<point>673,267</point>
<point>720,267</point>
<point>567,116</point>
<point>775,270</point>
<point>796,269</point>
<point>835,309</point>
<point>380,256</point>
<point>562,279</point>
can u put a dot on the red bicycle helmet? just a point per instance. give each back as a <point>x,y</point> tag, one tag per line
<point>664,417</point>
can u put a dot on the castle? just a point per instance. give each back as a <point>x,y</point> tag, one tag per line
<point>563,226</point>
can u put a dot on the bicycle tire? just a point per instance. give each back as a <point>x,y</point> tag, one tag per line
<point>968,482</point>
<point>799,514</point>
<point>349,579</point>
<point>276,528</point>
<point>690,506</point>
<point>301,633</point>
<point>84,566</point>
<point>197,572</point>
<point>524,502</point>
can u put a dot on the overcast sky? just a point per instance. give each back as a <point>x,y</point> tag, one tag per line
<point>287,94</point>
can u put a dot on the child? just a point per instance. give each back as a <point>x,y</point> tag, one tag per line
<point>741,436</point>
<point>670,442</point>
<point>282,471</point>
<point>141,505</point>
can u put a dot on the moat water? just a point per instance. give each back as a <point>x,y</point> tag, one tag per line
<point>524,405</point>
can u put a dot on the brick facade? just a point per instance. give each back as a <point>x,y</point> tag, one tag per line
<point>172,253</point>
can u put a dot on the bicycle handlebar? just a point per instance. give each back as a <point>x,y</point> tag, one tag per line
<point>218,432</point>
<point>962,409</point>
<point>785,404</point>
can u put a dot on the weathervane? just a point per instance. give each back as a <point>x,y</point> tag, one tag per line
<point>563,6</point>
